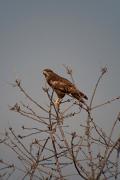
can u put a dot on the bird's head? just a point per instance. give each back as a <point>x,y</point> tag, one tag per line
<point>47,73</point>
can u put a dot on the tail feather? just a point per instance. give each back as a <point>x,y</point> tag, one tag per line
<point>79,95</point>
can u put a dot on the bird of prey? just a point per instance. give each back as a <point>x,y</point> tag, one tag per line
<point>62,87</point>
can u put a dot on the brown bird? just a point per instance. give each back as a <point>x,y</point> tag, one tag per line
<point>62,87</point>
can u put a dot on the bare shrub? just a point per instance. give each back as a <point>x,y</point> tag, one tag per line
<point>51,150</point>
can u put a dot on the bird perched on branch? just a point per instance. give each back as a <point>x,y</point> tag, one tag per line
<point>62,87</point>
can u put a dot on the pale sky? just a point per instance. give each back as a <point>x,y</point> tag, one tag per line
<point>84,35</point>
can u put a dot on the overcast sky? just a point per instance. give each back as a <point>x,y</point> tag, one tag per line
<point>84,35</point>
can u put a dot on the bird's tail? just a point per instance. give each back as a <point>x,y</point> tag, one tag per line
<point>79,95</point>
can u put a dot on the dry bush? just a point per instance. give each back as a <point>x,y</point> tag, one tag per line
<point>52,149</point>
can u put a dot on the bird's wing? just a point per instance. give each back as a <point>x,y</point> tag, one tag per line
<point>63,86</point>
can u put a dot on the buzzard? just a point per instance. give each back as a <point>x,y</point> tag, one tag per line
<point>62,87</point>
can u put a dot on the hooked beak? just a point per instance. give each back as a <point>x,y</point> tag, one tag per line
<point>44,73</point>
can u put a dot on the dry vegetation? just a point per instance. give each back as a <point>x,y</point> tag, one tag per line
<point>52,151</point>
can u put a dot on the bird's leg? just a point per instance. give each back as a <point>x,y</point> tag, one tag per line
<point>57,102</point>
